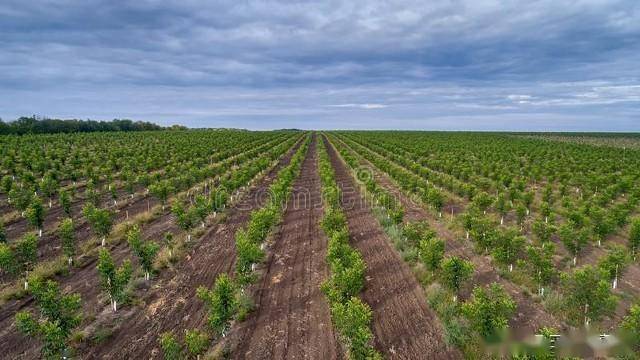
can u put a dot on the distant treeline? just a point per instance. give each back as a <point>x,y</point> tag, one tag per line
<point>34,125</point>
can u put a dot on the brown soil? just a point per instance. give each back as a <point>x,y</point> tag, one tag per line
<point>404,326</point>
<point>530,315</point>
<point>171,304</point>
<point>292,318</point>
<point>84,280</point>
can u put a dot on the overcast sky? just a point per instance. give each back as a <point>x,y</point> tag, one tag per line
<point>362,64</point>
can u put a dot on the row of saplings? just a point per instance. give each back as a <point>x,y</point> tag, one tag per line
<point>350,315</point>
<point>227,300</point>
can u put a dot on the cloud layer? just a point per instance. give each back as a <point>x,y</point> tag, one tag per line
<point>456,64</point>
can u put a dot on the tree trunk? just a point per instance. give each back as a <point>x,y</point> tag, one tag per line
<point>70,261</point>
<point>104,240</point>
<point>502,220</point>
<point>510,267</point>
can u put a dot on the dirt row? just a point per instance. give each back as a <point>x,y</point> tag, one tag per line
<point>403,325</point>
<point>529,317</point>
<point>171,304</point>
<point>292,318</point>
<point>84,281</point>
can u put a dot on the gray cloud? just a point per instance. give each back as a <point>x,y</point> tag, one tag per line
<point>309,64</point>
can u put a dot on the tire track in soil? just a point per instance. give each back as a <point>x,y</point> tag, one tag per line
<point>292,318</point>
<point>173,305</point>
<point>528,318</point>
<point>404,326</point>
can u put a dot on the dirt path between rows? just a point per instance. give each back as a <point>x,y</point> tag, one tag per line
<point>292,318</point>
<point>403,325</point>
<point>530,316</point>
<point>174,305</point>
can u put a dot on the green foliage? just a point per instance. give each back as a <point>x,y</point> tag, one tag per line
<point>489,310</point>
<point>65,201</point>
<point>248,252</point>
<point>631,326</point>
<point>170,346</point>
<point>352,319</point>
<point>431,252</point>
<point>573,239</point>
<point>161,190</point>
<point>66,232</point>
<point>196,342</point>
<point>540,262</point>
<point>615,262</point>
<point>634,236</point>
<point>3,233</point>
<point>508,246</point>
<point>222,302</point>
<point>113,280</point>
<point>8,261</point>
<point>455,272</point>
<point>588,294</point>
<point>146,251</point>
<point>60,314</point>
<point>543,231</point>
<point>184,218</point>
<point>101,220</point>
<point>26,252</point>
<point>35,213</point>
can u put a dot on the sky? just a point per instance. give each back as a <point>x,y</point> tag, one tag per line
<point>517,65</point>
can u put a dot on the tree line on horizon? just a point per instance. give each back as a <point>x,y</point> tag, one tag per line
<point>35,125</point>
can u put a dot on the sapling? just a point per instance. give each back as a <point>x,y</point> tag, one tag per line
<point>507,247</point>
<point>587,295</point>
<point>59,315</point>
<point>431,252</point>
<point>113,280</point>
<point>3,233</point>
<point>145,250</point>
<point>455,273</point>
<point>35,214</point>
<point>574,240</point>
<point>64,197</point>
<point>222,302</point>
<point>614,264</point>
<point>26,253</point>
<point>66,232</point>
<point>634,237</point>
<point>169,242</point>
<point>489,310</point>
<point>197,342</point>
<point>540,263</point>
<point>101,221</point>
<point>171,349</point>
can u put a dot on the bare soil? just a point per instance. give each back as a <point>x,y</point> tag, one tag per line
<point>404,326</point>
<point>292,318</point>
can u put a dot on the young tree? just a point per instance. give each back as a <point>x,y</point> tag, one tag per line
<point>26,254</point>
<point>171,349</point>
<point>35,214</point>
<point>6,184</point>
<point>146,251</point>
<point>169,243</point>
<point>602,225</point>
<point>67,234</point>
<point>3,233</point>
<point>352,319</point>
<point>521,214</point>
<point>431,252</point>
<point>48,187</point>
<point>64,197</point>
<point>634,237</point>
<point>183,218</point>
<point>507,247</point>
<point>482,201</point>
<point>545,210</point>
<point>631,326</point>
<point>543,231</point>
<point>614,264</point>
<point>588,296</point>
<point>222,302</point>
<point>113,280</point>
<point>161,190</point>
<point>455,272</point>
<point>574,240</point>
<point>489,310</point>
<point>8,261</point>
<point>540,261</point>
<point>201,209</point>
<point>101,221</point>
<point>435,199</point>
<point>59,315</point>
<point>248,253</point>
<point>527,200</point>
<point>501,206</point>
<point>197,342</point>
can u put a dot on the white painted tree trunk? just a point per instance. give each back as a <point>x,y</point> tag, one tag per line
<point>455,298</point>
<point>189,237</point>
<point>70,261</point>
<point>39,232</point>
<point>104,240</point>
<point>467,235</point>
<point>546,219</point>
<point>50,203</point>
<point>502,220</point>
<point>510,267</point>
<point>26,285</point>
<point>575,260</point>
<point>146,276</point>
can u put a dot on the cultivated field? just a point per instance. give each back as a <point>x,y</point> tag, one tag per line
<point>319,245</point>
